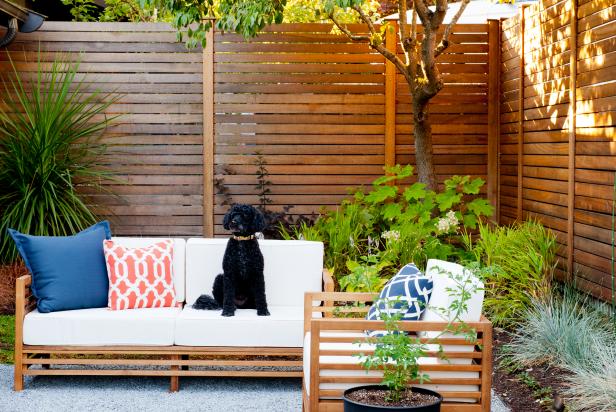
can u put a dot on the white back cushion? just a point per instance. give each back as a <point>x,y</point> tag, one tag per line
<point>441,299</point>
<point>292,267</point>
<point>179,258</point>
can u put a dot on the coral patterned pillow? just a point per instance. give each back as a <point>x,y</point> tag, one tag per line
<point>140,277</point>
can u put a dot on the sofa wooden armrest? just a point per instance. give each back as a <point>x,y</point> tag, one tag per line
<point>334,339</point>
<point>24,303</point>
<point>328,281</point>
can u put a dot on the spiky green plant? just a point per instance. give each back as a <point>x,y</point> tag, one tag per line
<point>593,389</point>
<point>563,330</point>
<point>50,129</point>
<point>521,260</point>
<point>574,332</point>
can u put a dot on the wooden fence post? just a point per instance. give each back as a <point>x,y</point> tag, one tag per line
<point>571,120</point>
<point>391,43</point>
<point>521,114</point>
<point>494,69</point>
<point>208,135</point>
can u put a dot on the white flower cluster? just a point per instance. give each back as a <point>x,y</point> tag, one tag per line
<point>391,235</point>
<point>447,223</point>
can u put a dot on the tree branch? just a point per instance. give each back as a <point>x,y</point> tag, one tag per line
<point>423,11</point>
<point>403,24</point>
<point>354,37</point>
<point>413,63</point>
<point>414,25</point>
<point>444,43</point>
<point>439,14</point>
<point>365,19</point>
<point>388,54</point>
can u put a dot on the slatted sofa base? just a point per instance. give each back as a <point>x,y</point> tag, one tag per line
<point>55,359</point>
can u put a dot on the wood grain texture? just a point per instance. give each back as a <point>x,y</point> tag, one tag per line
<point>568,124</point>
<point>209,129</point>
<point>326,113</point>
<point>332,331</point>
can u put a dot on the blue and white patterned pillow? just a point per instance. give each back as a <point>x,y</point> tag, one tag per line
<point>408,291</point>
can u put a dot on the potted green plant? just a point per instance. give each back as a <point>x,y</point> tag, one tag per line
<point>397,354</point>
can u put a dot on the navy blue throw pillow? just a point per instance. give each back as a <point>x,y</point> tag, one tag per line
<point>407,293</point>
<point>68,272</point>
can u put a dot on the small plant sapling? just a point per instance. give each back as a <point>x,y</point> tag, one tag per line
<point>397,353</point>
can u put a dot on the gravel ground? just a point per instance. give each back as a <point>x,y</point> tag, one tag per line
<point>93,394</point>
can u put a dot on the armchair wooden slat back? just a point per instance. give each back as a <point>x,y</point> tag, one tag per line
<point>460,368</point>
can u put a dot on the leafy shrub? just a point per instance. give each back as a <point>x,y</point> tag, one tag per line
<point>114,10</point>
<point>50,144</point>
<point>517,263</point>
<point>397,224</point>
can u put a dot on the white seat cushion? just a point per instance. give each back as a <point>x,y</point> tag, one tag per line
<point>291,267</point>
<point>101,327</point>
<point>283,328</point>
<point>354,360</point>
<point>179,258</point>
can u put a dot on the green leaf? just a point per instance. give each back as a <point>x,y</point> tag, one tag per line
<point>454,181</point>
<point>401,172</point>
<point>472,187</point>
<point>470,221</point>
<point>381,194</point>
<point>480,207</point>
<point>415,192</point>
<point>447,199</point>
<point>359,195</point>
<point>392,211</point>
<point>384,179</point>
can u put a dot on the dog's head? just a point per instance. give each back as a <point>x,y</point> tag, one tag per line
<point>244,220</point>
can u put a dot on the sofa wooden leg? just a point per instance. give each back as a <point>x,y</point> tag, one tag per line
<point>19,375</point>
<point>175,384</point>
<point>185,367</point>
<point>45,356</point>
<point>19,380</point>
<point>175,380</point>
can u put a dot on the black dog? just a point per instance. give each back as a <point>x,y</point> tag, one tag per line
<point>242,284</point>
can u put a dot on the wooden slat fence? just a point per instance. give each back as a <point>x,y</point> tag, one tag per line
<point>325,113</point>
<point>459,113</point>
<point>311,102</point>
<point>315,105</point>
<point>557,148</point>
<point>155,147</point>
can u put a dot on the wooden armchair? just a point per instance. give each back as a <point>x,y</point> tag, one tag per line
<point>331,341</point>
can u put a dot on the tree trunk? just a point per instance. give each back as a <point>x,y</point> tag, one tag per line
<point>422,131</point>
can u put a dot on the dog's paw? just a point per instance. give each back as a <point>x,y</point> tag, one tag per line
<point>263,312</point>
<point>228,313</point>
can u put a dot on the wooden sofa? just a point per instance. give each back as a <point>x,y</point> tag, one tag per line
<point>181,342</point>
<point>331,343</point>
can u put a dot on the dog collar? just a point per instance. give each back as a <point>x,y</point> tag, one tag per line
<point>243,237</point>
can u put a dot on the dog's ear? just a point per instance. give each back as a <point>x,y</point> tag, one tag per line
<point>227,219</point>
<point>258,221</point>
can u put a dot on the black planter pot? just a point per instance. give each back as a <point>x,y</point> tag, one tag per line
<point>352,406</point>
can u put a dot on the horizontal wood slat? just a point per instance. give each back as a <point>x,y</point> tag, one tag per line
<point>308,99</point>
<point>155,144</point>
<point>550,32</point>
